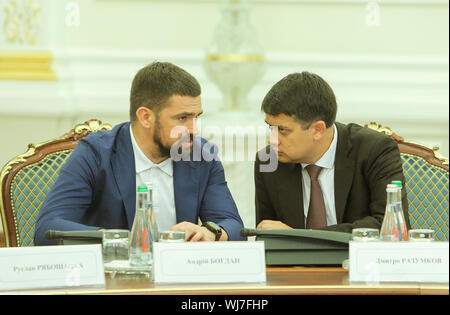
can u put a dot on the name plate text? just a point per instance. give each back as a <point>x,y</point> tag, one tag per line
<point>51,267</point>
<point>373,262</point>
<point>209,262</point>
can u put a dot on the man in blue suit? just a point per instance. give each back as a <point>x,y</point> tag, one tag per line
<point>96,187</point>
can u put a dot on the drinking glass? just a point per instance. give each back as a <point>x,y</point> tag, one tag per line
<point>365,235</point>
<point>115,246</point>
<point>172,236</point>
<point>421,235</point>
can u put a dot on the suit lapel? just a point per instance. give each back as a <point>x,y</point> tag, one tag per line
<point>124,169</point>
<point>290,194</point>
<point>186,186</point>
<point>344,169</point>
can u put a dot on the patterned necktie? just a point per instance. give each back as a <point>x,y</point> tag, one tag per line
<point>317,216</point>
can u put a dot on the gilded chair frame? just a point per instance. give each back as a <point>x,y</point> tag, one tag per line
<point>34,154</point>
<point>431,155</point>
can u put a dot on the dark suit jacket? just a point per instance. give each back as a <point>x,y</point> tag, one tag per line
<point>366,161</point>
<point>96,188</point>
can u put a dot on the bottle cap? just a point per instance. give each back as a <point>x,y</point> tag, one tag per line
<point>142,189</point>
<point>397,182</point>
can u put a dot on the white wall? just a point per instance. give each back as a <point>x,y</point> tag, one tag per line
<point>395,73</point>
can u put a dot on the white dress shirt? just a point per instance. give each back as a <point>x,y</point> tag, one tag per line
<point>161,177</point>
<point>326,181</point>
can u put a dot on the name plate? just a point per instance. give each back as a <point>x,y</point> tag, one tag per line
<point>51,267</point>
<point>373,262</point>
<point>209,262</point>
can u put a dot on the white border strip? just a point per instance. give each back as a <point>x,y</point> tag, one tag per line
<point>401,2</point>
<point>405,2</point>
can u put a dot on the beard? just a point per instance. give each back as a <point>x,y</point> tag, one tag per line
<point>164,150</point>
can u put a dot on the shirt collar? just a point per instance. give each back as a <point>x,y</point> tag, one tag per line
<point>327,160</point>
<point>143,163</point>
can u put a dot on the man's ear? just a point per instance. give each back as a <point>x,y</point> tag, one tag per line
<point>318,128</point>
<point>145,116</point>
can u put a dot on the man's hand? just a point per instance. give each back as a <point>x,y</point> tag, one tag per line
<point>269,224</point>
<point>196,233</point>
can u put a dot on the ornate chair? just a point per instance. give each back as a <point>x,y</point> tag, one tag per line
<point>26,180</point>
<point>426,176</point>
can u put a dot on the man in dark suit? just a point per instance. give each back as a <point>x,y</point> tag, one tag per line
<point>96,188</point>
<point>329,175</point>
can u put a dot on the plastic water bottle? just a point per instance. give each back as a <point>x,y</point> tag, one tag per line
<point>393,227</point>
<point>140,238</point>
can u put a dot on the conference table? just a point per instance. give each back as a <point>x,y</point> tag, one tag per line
<point>280,281</point>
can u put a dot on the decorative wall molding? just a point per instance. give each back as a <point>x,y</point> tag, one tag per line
<point>35,66</point>
<point>98,81</point>
<point>22,19</point>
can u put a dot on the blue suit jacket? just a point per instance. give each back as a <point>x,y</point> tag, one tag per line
<point>96,188</point>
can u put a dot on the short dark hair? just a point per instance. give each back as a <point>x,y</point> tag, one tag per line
<point>304,96</point>
<point>154,84</point>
